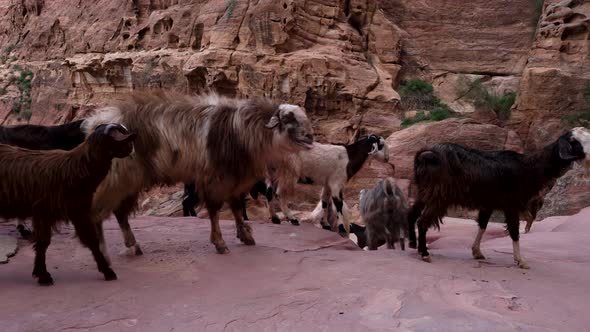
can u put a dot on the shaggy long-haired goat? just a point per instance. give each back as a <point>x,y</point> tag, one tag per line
<point>35,137</point>
<point>222,145</point>
<point>331,166</point>
<point>452,175</point>
<point>384,210</point>
<point>57,186</point>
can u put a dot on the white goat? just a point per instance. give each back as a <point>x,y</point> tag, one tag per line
<point>331,166</point>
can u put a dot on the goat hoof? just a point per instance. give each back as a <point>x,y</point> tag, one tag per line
<point>222,250</point>
<point>427,259</point>
<point>477,254</point>
<point>45,279</point>
<point>294,221</point>
<point>109,275</point>
<point>248,241</point>
<point>412,245</point>
<point>244,233</point>
<point>138,251</point>
<point>326,227</point>
<point>523,265</point>
<point>276,220</point>
<point>246,238</point>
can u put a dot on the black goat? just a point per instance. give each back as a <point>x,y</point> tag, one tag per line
<point>191,199</point>
<point>452,175</point>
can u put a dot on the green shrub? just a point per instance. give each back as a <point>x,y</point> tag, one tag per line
<point>22,79</point>
<point>484,99</point>
<point>440,113</point>
<point>418,95</point>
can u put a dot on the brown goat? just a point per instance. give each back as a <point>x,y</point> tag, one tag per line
<point>57,186</point>
<point>223,145</point>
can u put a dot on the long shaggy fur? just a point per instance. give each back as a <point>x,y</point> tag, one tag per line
<point>221,145</point>
<point>57,186</point>
<point>450,175</point>
<point>383,210</point>
<point>35,137</point>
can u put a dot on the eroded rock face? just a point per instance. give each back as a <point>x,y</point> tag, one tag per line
<point>476,37</point>
<point>339,59</point>
<point>556,71</point>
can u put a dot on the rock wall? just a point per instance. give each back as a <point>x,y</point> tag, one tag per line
<point>557,69</point>
<point>337,58</point>
<point>341,59</point>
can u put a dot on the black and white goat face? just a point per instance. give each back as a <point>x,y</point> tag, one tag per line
<point>575,144</point>
<point>292,126</point>
<point>379,149</point>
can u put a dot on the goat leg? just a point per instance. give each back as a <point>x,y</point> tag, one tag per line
<point>343,223</point>
<point>101,242</point>
<point>190,201</point>
<point>122,216</point>
<point>482,220</point>
<point>273,214</point>
<point>216,238</point>
<point>243,230</point>
<point>371,239</point>
<point>90,239</point>
<point>287,212</point>
<point>413,216</point>
<point>326,209</point>
<point>422,228</point>
<point>243,207</point>
<point>42,241</point>
<point>512,223</point>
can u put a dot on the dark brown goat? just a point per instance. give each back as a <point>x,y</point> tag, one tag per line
<point>452,175</point>
<point>36,137</point>
<point>57,186</point>
<point>66,137</point>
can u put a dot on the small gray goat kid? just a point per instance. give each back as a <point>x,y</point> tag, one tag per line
<point>384,211</point>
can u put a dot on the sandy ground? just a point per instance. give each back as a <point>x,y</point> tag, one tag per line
<point>304,279</point>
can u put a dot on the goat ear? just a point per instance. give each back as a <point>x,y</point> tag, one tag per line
<point>565,150</point>
<point>273,122</point>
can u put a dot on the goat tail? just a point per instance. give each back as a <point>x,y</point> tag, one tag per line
<point>425,163</point>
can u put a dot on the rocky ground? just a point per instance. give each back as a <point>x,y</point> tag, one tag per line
<point>304,278</point>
